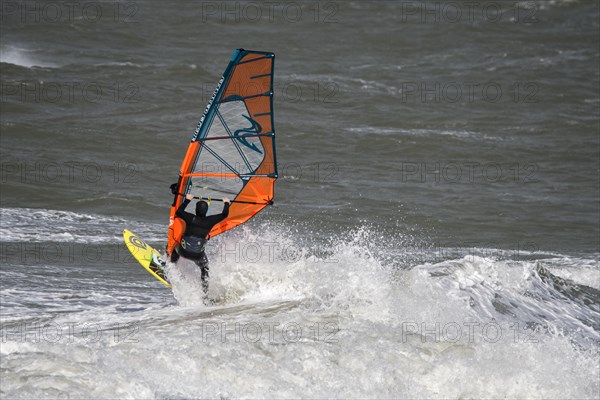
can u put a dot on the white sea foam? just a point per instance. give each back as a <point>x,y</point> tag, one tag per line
<point>31,225</point>
<point>461,134</point>
<point>21,56</point>
<point>293,317</point>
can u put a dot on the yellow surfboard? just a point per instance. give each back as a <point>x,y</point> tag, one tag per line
<point>144,254</point>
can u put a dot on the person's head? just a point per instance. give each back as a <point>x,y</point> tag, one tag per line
<point>201,208</point>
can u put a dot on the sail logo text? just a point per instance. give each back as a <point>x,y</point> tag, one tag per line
<point>210,102</point>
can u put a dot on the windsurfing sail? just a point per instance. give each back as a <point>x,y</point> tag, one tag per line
<point>232,151</point>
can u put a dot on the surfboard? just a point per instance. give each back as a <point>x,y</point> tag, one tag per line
<point>144,253</point>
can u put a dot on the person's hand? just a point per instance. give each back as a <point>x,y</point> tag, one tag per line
<point>189,196</point>
<point>226,200</point>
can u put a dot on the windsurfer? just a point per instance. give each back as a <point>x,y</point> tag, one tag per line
<point>197,229</point>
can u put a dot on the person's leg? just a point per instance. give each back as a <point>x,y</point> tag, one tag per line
<point>202,262</point>
<point>175,255</point>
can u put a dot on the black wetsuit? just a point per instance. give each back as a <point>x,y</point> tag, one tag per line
<point>193,241</point>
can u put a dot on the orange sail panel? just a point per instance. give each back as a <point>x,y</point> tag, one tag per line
<point>232,151</point>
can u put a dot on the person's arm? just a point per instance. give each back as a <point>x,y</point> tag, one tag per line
<point>181,213</point>
<point>215,219</point>
<point>226,204</point>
